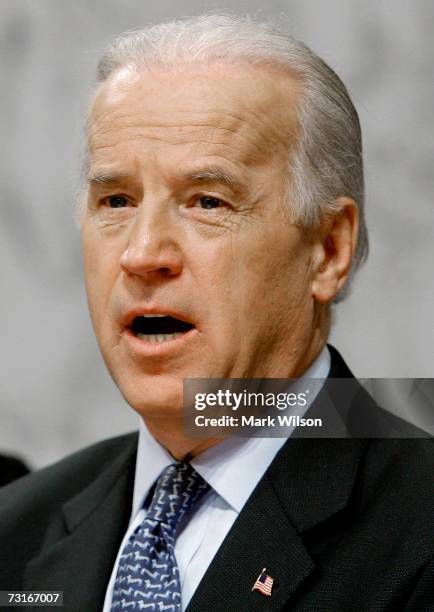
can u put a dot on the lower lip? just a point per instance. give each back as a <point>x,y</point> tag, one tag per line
<point>156,349</point>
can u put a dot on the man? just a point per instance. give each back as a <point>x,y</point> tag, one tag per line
<point>223,214</point>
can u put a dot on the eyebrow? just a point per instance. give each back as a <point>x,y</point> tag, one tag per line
<point>215,175</point>
<point>208,175</point>
<point>102,178</point>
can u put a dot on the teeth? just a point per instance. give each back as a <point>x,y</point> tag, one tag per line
<point>151,316</point>
<point>153,338</point>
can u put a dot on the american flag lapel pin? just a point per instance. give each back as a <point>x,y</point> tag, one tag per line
<point>264,583</point>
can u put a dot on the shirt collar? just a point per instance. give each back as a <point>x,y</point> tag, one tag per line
<point>232,468</point>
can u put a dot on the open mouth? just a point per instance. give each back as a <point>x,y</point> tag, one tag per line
<point>159,328</point>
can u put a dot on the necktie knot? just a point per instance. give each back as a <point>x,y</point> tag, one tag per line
<point>177,489</point>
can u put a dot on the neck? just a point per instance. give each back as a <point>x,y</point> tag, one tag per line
<point>317,341</point>
<point>171,436</point>
<point>176,443</point>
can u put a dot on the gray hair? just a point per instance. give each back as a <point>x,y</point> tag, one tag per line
<point>326,159</point>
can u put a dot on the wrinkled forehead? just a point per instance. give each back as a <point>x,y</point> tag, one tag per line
<point>251,107</point>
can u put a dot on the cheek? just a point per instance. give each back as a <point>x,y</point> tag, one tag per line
<point>276,280</point>
<point>100,265</point>
<point>252,267</point>
<point>277,262</point>
<point>91,260</point>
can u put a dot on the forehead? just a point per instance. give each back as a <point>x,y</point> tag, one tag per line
<point>239,112</point>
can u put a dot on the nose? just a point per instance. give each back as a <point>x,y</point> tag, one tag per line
<point>152,250</point>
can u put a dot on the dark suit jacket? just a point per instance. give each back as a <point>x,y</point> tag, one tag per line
<point>340,524</point>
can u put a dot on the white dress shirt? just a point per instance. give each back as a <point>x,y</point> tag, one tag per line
<point>232,468</point>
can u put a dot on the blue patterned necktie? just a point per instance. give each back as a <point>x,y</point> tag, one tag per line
<point>148,576</point>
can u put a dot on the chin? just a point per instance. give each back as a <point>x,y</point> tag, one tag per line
<point>157,397</point>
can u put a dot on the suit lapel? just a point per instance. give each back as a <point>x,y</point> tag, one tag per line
<point>261,537</point>
<point>307,483</point>
<point>94,524</point>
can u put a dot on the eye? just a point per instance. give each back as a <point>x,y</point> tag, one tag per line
<point>209,202</point>
<point>116,201</point>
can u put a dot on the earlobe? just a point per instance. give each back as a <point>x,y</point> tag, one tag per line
<point>324,286</point>
<point>337,240</point>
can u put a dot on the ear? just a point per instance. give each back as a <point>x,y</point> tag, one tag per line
<point>334,249</point>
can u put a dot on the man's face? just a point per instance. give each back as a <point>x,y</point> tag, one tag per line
<point>185,217</point>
